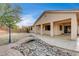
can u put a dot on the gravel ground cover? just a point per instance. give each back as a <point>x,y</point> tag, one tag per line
<point>37,47</point>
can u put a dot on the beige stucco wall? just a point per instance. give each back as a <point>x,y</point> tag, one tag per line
<point>57,29</point>
<point>34,29</point>
<point>46,32</point>
<point>38,29</point>
<point>48,17</point>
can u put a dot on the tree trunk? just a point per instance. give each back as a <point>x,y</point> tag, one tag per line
<point>9,34</point>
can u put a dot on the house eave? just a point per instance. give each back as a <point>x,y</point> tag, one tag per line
<point>56,11</point>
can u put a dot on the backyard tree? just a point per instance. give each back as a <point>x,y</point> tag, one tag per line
<point>9,16</point>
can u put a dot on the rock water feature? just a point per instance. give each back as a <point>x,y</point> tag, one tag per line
<point>36,47</point>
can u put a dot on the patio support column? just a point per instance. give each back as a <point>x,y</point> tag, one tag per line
<point>51,29</point>
<point>74,28</point>
<point>41,29</point>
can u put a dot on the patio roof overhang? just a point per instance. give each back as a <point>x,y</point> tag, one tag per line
<point>55,11</point>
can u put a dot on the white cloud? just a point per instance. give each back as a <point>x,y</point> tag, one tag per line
<point>27,20</point>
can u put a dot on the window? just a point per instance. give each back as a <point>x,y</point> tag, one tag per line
<point>60,27</point>
<point>47,27</point>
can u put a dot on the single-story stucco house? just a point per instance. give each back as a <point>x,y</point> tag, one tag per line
<point>58,22</point>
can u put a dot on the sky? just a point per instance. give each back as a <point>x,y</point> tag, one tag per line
<point>31,11</point>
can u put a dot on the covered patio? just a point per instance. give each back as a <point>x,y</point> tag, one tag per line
<point>57,23</point>
<point>66,27</point>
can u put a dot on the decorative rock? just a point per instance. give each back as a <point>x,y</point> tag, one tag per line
<point>37,47</point>
<point>54,49</point>
<point>26,51</point>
